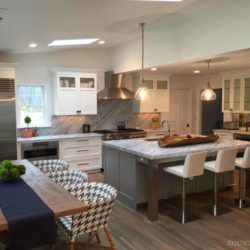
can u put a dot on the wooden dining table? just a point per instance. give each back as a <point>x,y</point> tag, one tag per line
<point>58,199</point>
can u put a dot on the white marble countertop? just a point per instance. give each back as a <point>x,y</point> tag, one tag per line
<point>233,131</point>
<point>56,137</point>
<point>151,150</point>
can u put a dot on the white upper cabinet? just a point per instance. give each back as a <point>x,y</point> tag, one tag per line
<point>158,95</point>
<point>236,94</point>
<point>75,93</point>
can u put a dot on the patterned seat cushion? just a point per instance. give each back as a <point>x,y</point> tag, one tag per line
<point>100,197</point>
<point>65,226</point>
<point>51,165</point>
<point>65,177</point>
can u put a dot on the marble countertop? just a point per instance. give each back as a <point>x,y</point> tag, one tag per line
<point>56,137</point>
<point>236,131</point>
<point>151,150</point>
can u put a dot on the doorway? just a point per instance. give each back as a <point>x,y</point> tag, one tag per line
<point>212,116</point>
<point>181,111</point>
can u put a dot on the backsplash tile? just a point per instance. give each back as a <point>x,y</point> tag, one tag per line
<point>110,112</point>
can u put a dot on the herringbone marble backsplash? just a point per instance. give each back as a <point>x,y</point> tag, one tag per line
<point>110,112</point>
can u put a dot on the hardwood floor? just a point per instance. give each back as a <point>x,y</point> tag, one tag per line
<point>132,231</point>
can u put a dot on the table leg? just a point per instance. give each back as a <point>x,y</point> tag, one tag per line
<point>153,190</point>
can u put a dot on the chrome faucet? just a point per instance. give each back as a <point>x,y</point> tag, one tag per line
<point>167,130</point>
<point>162,123</point>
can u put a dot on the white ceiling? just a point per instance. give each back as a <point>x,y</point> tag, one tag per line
<point>115,21</point>
<point>238,60</point>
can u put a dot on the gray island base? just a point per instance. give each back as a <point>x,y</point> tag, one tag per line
<point>134,168</point>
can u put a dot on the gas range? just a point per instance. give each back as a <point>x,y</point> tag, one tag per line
<point>127,133</point>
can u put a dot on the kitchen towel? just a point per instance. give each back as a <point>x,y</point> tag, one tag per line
<point>31,222</point>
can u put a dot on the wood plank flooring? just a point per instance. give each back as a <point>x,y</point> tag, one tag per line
<point>132,231</point>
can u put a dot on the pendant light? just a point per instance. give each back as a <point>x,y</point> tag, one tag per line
<point>142,90</point>
<point>208,94</point>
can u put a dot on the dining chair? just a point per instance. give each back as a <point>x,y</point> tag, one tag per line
<point>243,164</point>
<point>225,162</point>
<point>193,166</point>
<point>51,165</point>
<point>100,198</point>
<point>65,177</point>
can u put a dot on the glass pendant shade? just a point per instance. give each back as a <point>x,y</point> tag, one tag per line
<point>141,93</point>
<point>208,94</point>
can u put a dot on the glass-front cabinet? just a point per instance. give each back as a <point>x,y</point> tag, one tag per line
<point>227,94</point>
<point>236,94</point>
<point>247,94</point>
<point>75,93</point>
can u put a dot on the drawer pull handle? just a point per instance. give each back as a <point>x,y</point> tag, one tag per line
<point>82,164</point>
<point>82,140</point>
<point>83,150</point>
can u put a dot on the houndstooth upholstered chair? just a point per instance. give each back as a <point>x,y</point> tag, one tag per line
<point>100,197</point>
<point>65,177</point>
<point>51,165</point>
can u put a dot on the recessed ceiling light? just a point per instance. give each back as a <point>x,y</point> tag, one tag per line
<point>153,69</point>
<point>32,45</point>
<point>73,42</point>
<point>197,71</point>
<point>101,42</point>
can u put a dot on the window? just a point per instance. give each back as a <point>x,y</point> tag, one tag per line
<point>32,103</point>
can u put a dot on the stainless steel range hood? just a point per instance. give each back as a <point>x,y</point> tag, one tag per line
<point>115,88</point>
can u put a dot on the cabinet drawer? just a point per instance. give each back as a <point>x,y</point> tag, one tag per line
<point>81,150</point>
<point>81,141</point>
<point>85,164</point>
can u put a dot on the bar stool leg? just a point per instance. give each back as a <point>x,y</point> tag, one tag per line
<point>183,196</point>
<point>242,188</point>
<point>215,195</point>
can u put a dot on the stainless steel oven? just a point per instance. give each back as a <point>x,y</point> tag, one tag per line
<point>40,150</point>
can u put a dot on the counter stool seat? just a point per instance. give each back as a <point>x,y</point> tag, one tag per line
<point>193,166</point>
<point>225,162</point>
<point>243,163</point>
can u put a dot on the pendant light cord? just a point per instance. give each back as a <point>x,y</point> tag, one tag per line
<point>142,52</point>
<point>208,72</point>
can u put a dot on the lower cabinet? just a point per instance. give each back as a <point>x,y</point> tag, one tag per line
<point>82,153</point>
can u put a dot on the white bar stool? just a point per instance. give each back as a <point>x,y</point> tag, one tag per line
<point>243,164</point>
<point>193,166</point>
<point>225,162</point>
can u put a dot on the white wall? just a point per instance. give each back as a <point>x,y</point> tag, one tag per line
<point>36,68</point>
<point>195,84</point>
<point>220,29</point>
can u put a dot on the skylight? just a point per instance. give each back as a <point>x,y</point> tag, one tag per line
<point>73,42</point>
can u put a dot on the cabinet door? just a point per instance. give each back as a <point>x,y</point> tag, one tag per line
<point>67,102</point>
<point>247,94</point>
<point>87,102</point>
<point>67,94</point>
<point>87,81</point>
<point>227,93</point>
<point>162,96</point>
<point>236,94</point>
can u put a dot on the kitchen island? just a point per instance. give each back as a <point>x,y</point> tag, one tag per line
<point>135,166</point>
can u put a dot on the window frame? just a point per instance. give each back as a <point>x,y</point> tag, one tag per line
<point>47,118</point>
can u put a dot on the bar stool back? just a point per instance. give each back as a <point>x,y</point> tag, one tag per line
<point>193,166</point>
<point>225,162</point>
<point>243,164</point>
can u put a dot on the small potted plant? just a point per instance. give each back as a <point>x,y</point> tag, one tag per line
<point>27,132</point>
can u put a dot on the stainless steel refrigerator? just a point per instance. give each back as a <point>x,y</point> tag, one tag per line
<point>8,148</point>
